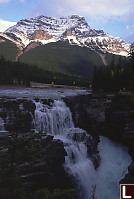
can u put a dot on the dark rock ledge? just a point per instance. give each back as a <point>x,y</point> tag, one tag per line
<point>99,114</point>
<point>88,112</point>
<point>29,163</point>
<point>110,115</point>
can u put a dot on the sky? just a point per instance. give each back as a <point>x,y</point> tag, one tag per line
<point>115,17</point>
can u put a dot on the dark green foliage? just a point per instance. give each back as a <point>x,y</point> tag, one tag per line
<point>62,57</point>
<point>117,75</point>
<point>8,49</point>
<point>18,73</point>
<point>112,58</point>
<point>132,63</point>
<point>131,54</point>
<point>57,57</point>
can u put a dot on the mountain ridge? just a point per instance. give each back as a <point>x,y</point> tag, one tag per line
<point>73,28</point>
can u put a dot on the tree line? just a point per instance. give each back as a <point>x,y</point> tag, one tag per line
<point>18,73</point>
<point>115,76</point>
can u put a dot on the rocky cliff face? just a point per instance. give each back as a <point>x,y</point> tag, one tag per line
<point>37,158</point>
<point>105,114</point>
<point>73,28</point>
<point>119,121</point>
<point>33,134</point>
<point>109,115</point>
<point>119,126</point>
<point>40,35</point>
<point>43,157</point>
<point>89,112</point>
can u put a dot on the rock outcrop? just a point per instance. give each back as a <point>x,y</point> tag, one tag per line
<point>88,112</point>
<point>119,121</point>
<point>47,170</point>
<point>34,161</point>
<point>98,114</point>
<point>17,114</point>
<point>109,115</point>
<point>119,127</point>
<point>40,35</point>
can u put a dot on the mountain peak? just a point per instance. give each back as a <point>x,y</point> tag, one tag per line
<point>74,28</point>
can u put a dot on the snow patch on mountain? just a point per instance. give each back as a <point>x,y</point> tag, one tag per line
<point>73,28</point>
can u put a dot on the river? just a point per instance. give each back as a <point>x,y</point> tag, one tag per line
<point>56,93</point>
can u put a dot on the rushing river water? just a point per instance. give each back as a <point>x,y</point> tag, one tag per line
<point>56,93</point>
<point>57,120</point>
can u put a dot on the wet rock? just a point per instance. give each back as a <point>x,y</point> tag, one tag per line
<point>109,115</point>
<point>119,121</point>
<point>47,101</point>
<point>48,171</point>
<point>88,112</point>
<point>46,140</point>
<point>119,126</point>
<point>129,177</point>
<point>17,114</point>
<point>38,163</point>
<point>29,106</point>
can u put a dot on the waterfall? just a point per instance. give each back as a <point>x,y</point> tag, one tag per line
<point>53,120</point>
<point>56,119</point>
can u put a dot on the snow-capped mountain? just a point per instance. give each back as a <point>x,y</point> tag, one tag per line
<point>44,30</point>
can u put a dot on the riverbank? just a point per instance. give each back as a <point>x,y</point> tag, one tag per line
<point>46,86</point>
<point>43,86</point>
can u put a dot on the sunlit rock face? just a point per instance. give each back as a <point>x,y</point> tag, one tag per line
<point>73,28</point>
<point>41,35</point>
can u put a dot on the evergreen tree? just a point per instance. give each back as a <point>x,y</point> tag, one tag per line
<point>18,73</point>
<point>131,53</point>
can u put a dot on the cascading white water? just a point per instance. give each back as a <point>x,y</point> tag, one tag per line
<point>53,120</point>
<point>56,120</point>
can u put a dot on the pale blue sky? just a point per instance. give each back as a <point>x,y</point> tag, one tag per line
<point>115,17</point>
